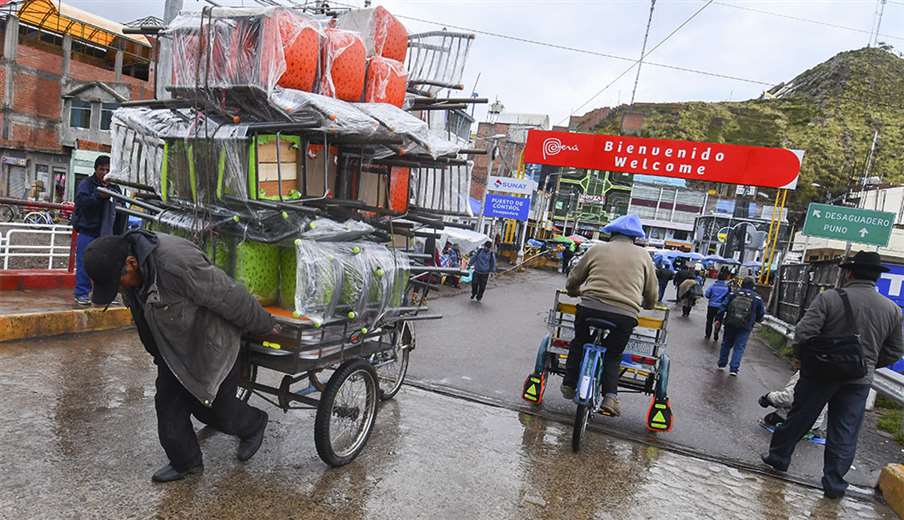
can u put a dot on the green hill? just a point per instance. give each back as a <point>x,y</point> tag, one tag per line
<point>830,111</point>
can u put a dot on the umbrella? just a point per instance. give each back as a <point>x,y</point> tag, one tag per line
<point>577,239</point>
<point>692,256</point>
<point>559,239</point>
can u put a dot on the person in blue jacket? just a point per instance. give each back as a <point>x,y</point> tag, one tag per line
<point>95,216</point>
<point>742,310</point>
<point>484,262</point>
<point>717,294</point>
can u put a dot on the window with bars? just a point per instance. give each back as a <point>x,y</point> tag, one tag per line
<point>80,114</point>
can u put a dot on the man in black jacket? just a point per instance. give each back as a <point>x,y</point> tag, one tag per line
<point>190,317</point>
<point>95,216</point>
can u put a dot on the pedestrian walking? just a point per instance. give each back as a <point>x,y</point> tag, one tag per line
<point>664,274</point>
<point>682,274</point>
<point>842,338</point>
<point>484,262</point>
<point>190,317</point>
<point>95,216</point>
<point>567,255</point>
<point>716,295</point>
<point>689,291</point>
<point>742,310</point>
<point>614,280</point>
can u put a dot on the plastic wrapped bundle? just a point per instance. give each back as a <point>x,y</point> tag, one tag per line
<point>387,80</point>
<point>333,115</point>
<point>343,65</point>
<point>318,280</point>
<point>328,230</point>
<point>383,33</point>
<point>301,41</point>
<point>410,128</point>
<point>228,47</point>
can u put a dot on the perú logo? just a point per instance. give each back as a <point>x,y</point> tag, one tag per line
<point>498,183</point>
<point>553,146</point>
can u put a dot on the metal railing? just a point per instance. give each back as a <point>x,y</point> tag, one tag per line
<point>16,238</point>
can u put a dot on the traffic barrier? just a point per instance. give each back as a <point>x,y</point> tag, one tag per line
<point>16,238</point>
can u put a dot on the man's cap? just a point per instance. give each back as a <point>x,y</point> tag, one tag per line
<point>103,262</point>
<point>865,261</point>
<point>628,225</point>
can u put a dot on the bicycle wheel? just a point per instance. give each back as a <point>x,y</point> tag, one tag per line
<point>392,365</point>
<point>346,414</point>
<point>248,376</point>
<point>8,213</point>
<point>580,426</point>
<point>36,217</point>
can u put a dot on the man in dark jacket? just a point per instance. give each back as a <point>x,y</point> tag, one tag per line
<point>717,295</point>
<point>877,321</point>
<point>484,262</point>
<point>95,216</point>
<point>190,317</point>
<point>742,310</point>
<point>664,274</point>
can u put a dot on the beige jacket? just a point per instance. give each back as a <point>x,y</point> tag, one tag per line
<point>617,274</point>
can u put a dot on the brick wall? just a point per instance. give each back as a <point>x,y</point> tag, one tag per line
<point>37,103</point>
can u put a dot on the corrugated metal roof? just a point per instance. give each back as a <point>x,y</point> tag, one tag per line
<point>66,19</point>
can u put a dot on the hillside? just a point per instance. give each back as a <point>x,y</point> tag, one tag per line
<point>830,111</point>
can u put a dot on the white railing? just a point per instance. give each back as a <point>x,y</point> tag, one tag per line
<point>15,243</point>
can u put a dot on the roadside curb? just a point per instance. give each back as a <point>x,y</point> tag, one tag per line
<point>891,482</point>
<point>53,323</point>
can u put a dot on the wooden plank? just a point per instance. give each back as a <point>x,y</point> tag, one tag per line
<point>272,171</point>
<point>266,153</point>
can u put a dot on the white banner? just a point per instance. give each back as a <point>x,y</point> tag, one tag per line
<point>511,185</point>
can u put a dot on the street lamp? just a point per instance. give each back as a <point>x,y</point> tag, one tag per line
<point>493,149</point>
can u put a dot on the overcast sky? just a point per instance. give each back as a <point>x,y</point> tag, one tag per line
<point>722,39</point>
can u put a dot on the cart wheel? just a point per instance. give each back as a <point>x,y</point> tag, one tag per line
<point>662,383</point>
<point>243,393</point>
<point>345,416</point>
<point>392,365</point>
<point>580,426</point>
<point>36,217</point>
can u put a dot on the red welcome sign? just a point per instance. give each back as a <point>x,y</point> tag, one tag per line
<point>710,162</point>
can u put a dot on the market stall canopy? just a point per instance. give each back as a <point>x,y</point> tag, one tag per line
<point>63,18</point>
<point>577,239</point>
<point>467,240</point>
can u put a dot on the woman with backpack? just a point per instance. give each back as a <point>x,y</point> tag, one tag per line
<point>742,310</point>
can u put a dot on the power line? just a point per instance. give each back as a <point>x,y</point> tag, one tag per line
<point>585,51</point>
<point>643,50</point>
<point>629,69</point>
<point>808,20</point>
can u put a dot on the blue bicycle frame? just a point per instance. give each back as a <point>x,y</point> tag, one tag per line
<point>590,378</point>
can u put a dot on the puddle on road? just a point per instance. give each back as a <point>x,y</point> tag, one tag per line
<point>79,439</point>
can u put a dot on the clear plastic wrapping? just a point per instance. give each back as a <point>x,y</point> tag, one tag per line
<point>328,230</point>
<point>333,116</point>
<point>383,33</point>
<point>387,80</point>
<point>357,281</point>
<point>409,127</point>
<point>343,65</point>
<point>229,47</point>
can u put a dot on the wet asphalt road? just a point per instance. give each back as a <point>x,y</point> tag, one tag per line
<point>488,348</point>
<point>79,441</point>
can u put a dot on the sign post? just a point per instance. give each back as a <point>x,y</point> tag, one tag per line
<point>860,226</point>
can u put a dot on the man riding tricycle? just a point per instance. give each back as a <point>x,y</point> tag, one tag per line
<point>605,341</point>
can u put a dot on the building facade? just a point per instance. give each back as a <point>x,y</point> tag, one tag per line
<point>63,72</point>
<point>667,208</point>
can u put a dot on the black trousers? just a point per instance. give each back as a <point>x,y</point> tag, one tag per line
<point>479,285</point>
<point>175,406</point>
<point>847,403</point>
<point>615,345</point>
<point>711,313</point>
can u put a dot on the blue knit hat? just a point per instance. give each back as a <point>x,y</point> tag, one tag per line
<point>628,225</point>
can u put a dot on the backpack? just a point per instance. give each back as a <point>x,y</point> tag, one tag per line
<point>739,310</point>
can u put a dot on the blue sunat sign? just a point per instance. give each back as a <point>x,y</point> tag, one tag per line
<point>502,206</point>
<point>891,284</point>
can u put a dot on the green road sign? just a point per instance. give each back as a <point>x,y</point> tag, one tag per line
<point>862,226</point>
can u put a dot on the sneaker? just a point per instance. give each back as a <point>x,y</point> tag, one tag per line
<point>706,338</point>
<point>767,459</point>
<point>764,401</point>
<point>721,368</point>
<point>567,391</point>
<point>733,373</point>
<point>82,300</point>
<point>773,419</point>
<point>716,337</point>
<point>610,406</point>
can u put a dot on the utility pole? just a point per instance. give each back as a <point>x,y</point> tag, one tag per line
<point>643,50</point>
<point>165,59</point>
